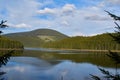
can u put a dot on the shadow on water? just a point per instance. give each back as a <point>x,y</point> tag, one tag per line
<point>3,61</point>
<point>96,58</point>
<point>4,58</point>
<point>48,65</point>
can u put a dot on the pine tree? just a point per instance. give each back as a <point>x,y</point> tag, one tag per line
<point>4,58</point>
<point>3,25</point>
<point>113,55</point>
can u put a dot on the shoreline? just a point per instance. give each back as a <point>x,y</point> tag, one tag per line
<point>69,50</point>
<point>61,49</point>
<point>85,50</point>
<point>10,49</point>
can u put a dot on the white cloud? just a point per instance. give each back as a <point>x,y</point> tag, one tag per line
<point>20,11</point>
<point>22,25</point>
<point>68,8</point>
<point>78,34</point>
<point>64,23</point>
<point>109,4</point>
<point>97,17</point>
<point>65,10</point>
<point>46,11</point>
<point>85,20</point>
<point>114,2</point>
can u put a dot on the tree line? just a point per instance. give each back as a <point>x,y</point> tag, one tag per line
<point>98,42</point>
<point>114,56</point>
<point>7,43</point>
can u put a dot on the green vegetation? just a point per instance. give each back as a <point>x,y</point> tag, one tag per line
<point>114,56</point>
<point>6,43</point>
<point>3,61</point>
<point>96,58</point>
<point>98,42</point>
<point>37,38</point>
<point>47,38</point>
<point>7,47</point>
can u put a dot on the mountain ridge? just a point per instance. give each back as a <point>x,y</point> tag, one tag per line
<point>37,37</point>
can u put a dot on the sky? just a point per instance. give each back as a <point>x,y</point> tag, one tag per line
<point>70,17</point>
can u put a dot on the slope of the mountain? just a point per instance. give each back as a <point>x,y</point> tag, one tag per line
<point>6,43</point>
<point>37,38</point>
<point>97,42</point>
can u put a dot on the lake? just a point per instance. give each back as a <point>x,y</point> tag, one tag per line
<point>45,64</point>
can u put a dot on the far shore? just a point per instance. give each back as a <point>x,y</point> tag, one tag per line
<point>85,50</point>
<point>63,49</point>
<point>70,50</point>
<point>10,49</point>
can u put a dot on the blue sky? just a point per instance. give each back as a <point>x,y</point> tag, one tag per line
<point>71,17</point>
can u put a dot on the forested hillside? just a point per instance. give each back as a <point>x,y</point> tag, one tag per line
<point>9,43</point>
<point>37,38</point>
<point>6,43</point>
<point>47,38</point>
<point>98,42</point>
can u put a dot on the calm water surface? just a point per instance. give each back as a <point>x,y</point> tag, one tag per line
<point>41,65</point>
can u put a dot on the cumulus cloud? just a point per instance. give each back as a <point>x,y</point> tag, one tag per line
<point>31,13</point>
<point>78,34</point>
<point>81,19</point>
<point>46,11</point>
<point>109,3</point>
<point>96,17</point>
<point>68,8</point>
<point>18,13</point>
<point>21,25</point>
<point>114,2</point>
<point>64,23</point>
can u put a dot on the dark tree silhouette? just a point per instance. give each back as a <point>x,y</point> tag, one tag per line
<point>4,58</point>
<point>3,61</point>
<point>3,25</point>
<point>113,16</point>
<point>1,32</point>
<point>113,55</point>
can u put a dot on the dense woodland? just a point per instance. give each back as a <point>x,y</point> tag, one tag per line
<point>7,43</point>
<point>114,56</point>
<point>36,38</point>
<point>98,42</point>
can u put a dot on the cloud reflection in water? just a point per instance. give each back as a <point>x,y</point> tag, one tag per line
<point>28,68</point>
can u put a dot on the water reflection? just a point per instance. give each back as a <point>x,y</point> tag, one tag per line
<point>48,65</point>
<point>30,61</point>
<point>25,68</point>
<point>4,58</point>
<point>99,59</point>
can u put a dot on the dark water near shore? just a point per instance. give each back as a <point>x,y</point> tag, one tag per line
<point>35,64</point>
